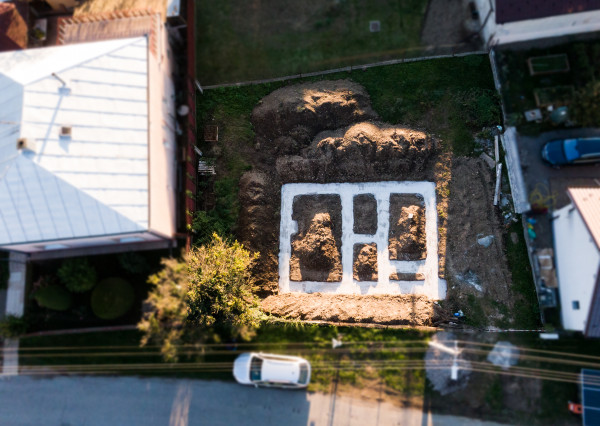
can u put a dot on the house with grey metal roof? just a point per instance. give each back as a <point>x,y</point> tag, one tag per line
<point>87,148</point>
<point>576,230</point>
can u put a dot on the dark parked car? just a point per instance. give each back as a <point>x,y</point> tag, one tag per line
<point>572,151</point>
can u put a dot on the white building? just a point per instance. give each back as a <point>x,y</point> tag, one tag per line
<point>577,252</point>
<point>87,147</point>
<point>510,21</point>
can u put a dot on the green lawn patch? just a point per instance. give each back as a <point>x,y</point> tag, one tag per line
<point>367,355</point>
<point>240,40</point>
<point>526,309</point>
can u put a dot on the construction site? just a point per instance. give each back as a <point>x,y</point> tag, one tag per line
<point>361,221</point>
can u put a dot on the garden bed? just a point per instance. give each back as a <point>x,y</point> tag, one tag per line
<point>533,77</point>
<point>76,309</point>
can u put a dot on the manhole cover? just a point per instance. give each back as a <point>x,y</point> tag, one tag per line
<point>375,26</point>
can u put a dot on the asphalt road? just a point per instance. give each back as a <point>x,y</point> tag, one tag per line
<point>91,401</point>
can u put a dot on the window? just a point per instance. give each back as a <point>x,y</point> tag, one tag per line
<point>303,379</point>
<point>55,246</point>
<point>255,367</point>
<point>575,305</point>
<point>131,240</point>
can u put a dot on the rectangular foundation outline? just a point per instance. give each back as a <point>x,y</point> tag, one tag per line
<point>432,286</point>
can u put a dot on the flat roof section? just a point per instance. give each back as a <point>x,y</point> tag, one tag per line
<point>520,10</point>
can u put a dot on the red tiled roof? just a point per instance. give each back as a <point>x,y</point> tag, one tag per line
<point>520,10</point>
<point>107,26</point>
<point>587,201</point>
<point>13,27</point>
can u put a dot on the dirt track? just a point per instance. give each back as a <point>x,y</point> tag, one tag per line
<point>388,310</point>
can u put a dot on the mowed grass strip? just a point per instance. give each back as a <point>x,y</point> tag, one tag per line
<point>244,40</point>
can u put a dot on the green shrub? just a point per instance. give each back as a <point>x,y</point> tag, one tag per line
<point>112,298</point>
<point>133,262</point>
<point>77,275</point>
<point>53,297</point>
<point>206,224</point>
<point>585,109</point>
<point>12,326</point>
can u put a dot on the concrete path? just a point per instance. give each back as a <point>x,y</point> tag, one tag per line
<point>15,295</point>
<point>93,401</point>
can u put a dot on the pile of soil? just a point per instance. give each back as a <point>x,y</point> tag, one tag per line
<point>366,151</point>
<point>287,119</point>
<point>385,309</point>
<point>407,276</point>
<point>365,262</point>
<point>407,227</point>
<point>316,247</point>
<point>365,214</point>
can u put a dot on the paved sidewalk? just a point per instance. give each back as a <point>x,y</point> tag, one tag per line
<point>15,295</point>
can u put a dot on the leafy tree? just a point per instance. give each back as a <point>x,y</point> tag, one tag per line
<point>209,291</point>
<point>77,275</point>
<point>585,108</point>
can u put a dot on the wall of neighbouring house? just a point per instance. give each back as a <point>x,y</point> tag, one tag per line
<point>533,29</point>
<point>577,260</point>
<point>161,105</point>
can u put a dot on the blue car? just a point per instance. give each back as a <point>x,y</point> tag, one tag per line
<point>572,151</point>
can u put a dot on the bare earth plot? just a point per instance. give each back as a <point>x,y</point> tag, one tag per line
<point>343,208</point>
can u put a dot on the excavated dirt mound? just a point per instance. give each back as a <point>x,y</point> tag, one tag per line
<point>288,119</point>
<point>316,247</point>
<point>407,227</point>
<point>366,151</point>
<point>365,262</point>
<point>391,310</point>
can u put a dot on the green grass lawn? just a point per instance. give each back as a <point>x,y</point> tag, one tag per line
<point>244,40</point>
<point>526,309</point>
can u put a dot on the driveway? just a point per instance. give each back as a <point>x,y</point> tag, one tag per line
<point>547,185</point>
<point>91,401</point>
